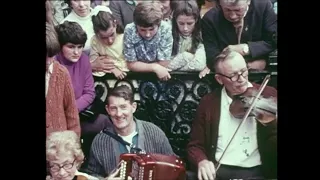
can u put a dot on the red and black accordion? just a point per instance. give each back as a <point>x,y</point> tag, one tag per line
<point>151,167</point>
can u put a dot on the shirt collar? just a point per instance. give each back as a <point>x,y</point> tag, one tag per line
<point>132,2</point>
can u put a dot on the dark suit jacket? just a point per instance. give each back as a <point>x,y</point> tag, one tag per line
<point>122,10</point>
<point>205,127</point>
<point>260,24</point>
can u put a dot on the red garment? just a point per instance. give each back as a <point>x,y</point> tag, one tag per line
<point>61,110</point>
<point>204,133</point>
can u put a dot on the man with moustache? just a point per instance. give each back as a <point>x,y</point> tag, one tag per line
<point>105,150</point>
<point>253,151</point>
<point>245,26</point>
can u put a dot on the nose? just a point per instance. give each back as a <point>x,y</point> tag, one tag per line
<point>185,27</point>
<point>119,113</point>
<point>233,15</point>
<point>241,78</point>
<point>81,3</point>
<point>62,172</point>
<point>110,40</point>
<point>76,50</point>
<point>148,34</point>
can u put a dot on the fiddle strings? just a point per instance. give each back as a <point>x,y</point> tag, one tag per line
<point>265,81</point>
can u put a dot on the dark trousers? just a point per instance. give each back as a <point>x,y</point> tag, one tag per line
<point>89,130</point>
<point>226,172</point>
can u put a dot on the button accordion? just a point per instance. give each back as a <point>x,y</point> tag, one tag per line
<point>151,167</point>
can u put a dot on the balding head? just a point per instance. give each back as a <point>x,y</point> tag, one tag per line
<point>232,72</point>
<point>222,58</point>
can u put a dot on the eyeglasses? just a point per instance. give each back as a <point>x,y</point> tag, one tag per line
<point>56,167</point>
<point>236,77</point>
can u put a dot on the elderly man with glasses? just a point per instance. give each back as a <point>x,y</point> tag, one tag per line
<point>252,154</point>
<point>245,26</point>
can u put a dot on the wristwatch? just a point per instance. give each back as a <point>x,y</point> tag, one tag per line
<point>245,49</point>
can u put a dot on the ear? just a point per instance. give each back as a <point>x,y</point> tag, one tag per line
<point>218,78</point>
<point>134,107</point>
<point>107,108</point>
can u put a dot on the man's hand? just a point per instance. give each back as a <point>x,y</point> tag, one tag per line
<point>103,63</point>
<point>238,48</point>
<point>257,64</point>
<point>118,73</point>
<point>206,170</point>
<point>113,175</point>
<point>204,72</point>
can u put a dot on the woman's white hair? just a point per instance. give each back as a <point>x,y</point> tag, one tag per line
<point>64,142</point>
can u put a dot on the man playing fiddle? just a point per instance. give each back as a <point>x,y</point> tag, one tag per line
<point>252,153</point>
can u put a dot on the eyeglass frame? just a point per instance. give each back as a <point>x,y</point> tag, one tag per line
<point>63,166</point>
<point>240,73</point>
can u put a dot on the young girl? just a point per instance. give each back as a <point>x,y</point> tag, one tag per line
<point>188,52</point>
<point>107,44</point>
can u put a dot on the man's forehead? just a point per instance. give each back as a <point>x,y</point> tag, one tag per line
<point>115,100</point>
<point>232,65</point>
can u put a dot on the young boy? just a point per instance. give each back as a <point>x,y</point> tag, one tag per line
<point>148,41</point>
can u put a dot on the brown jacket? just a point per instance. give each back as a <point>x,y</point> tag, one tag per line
<point>61,109</point>
<point>204,134</point>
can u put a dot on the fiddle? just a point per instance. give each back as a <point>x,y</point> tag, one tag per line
<point>252,103</point>
<point>264,109</point>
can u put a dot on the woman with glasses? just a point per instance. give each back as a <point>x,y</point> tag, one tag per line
<point>64,157</point>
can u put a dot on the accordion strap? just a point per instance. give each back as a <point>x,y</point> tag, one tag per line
<point>120,140</point>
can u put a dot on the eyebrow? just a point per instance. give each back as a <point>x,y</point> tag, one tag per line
<point>241,70</point>
<point>108,35</point>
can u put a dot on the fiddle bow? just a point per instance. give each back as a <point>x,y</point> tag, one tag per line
<point>262,87</point>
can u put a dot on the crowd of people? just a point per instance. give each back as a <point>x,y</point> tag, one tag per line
<point>99,37</point>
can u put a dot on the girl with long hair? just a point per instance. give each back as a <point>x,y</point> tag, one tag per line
<point>188,52</point>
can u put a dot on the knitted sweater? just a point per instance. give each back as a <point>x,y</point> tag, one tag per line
<point>61,110</point>
<point>186,61</point>
<point>105,152</point>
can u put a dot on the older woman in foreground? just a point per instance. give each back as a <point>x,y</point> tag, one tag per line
<point>64,157</point>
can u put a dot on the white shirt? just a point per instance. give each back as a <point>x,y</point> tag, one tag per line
<point>243,150</point>
<point>48,75</point>
<point>129,138</point>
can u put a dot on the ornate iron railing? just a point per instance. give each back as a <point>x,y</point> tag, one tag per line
<point>171,105</point>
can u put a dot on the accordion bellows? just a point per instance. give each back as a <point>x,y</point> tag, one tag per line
<point>151,167</point>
